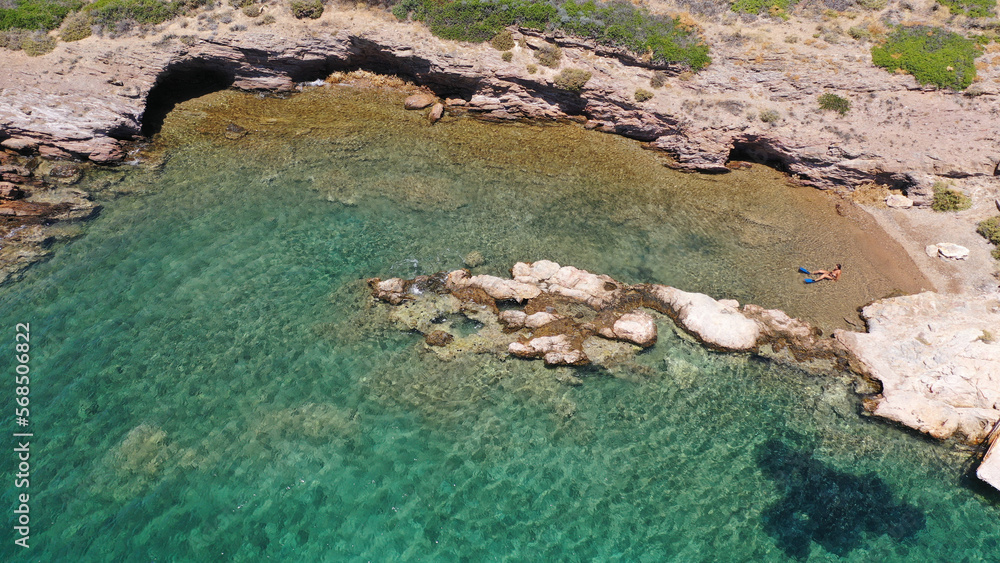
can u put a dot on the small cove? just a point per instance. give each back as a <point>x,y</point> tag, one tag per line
<point>208,389</point>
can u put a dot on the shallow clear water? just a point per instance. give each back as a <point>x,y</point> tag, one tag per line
<point>208,383</point>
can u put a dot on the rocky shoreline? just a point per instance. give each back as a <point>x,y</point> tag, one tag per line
<point>90,100</point>
<point>940,377</point>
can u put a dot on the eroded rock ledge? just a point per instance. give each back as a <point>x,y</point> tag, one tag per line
<point>568,316</point>
<point>940,377</point>
<point>938,360</point>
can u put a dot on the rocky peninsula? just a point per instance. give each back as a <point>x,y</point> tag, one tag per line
<point>933,355</point>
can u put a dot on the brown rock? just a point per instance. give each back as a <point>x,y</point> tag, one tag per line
<point>438,338</point>
<point>436,113</point>
<point>554,350</point>
<point>10,191</point>
<point>234,131</point>
<point>19,144</point>
<point>54,153</point>
<point>419,101</point>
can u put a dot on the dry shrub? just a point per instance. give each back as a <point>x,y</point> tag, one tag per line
<point>368,78</point>
<point>870,194</point>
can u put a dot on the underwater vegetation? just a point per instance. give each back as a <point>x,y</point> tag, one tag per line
<point>832,508</point>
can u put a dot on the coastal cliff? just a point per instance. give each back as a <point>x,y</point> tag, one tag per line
<point>95,95</point>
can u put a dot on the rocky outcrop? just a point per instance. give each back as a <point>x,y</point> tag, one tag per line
<point>937,358</point>
<point>98,97</point>
<point>36,201</point>
<point>562,311</point>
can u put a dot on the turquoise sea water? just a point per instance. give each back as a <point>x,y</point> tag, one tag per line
<point>208,382</point>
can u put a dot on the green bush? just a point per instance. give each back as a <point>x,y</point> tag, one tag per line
<point>252,11</point>
<point>990,229</point>
<point>572,79</point>
<point>109,12</point>
<point>621,24</point>
<point>833,102</point>
<point>503,41</point>
<point>36,14</point>
<point>617,23</point>
<point>769,115</point>
<point>507,56</point>
<point>643,95</point>
<point>75,27</point>
<point>532,69</point>
<point>972,8</point>
<point>37,43</point>
<point>268,19</point>
<point>947,199</point>
<point>777,8</point>
<point>302,9</point>
<point>549,55</point>
<point>931,54</point>
<point>875,5</point>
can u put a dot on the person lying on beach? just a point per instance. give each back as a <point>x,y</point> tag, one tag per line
<point>833,274</point>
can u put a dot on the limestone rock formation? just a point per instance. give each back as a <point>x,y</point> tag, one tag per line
<point>563,308</point>
<point>937,359</point>
<point>947,250</point>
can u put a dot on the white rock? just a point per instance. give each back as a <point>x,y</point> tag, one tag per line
<point>899,201</point>
<point>947,250</point>
<point>637,327</point>
<point>540,318</point>
<point>937,377</point>
<point>512,319</point>
<point>718,324</point>
<point>989,469</point>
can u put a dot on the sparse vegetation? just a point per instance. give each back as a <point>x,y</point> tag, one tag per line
<point>660,39</point>
<point>37,43</point>
<point>268,19</point>
<point>108,13</point>
<point>931,54</point>
<point>990,230</point>
<point>507,56</point>
<point>532,69</point>
<point>503,41</point>
<point>659,79</point>
<point>302,9</point>
<point>643,95</point>
<point>971,8</point>
<point>947,199</point>
<point>549,55</point>
<point>832,102</point>
<point>75,27</point>
<point>987,337</point>
<point>769,115</point>
<point>776,8</point>
<point>572,79</point>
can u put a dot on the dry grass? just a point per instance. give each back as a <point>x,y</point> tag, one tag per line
<point>871,194</point>
<point>368,78</point>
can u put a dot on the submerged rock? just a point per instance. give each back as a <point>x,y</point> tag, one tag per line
<point>562,311</point>
<point>438,338</point>
<point>419,101</point>
<point>436,113</point>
